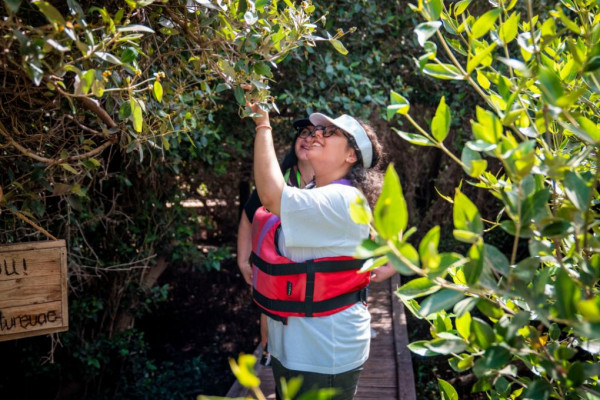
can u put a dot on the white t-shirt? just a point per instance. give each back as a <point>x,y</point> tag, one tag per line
<point>316,223</point>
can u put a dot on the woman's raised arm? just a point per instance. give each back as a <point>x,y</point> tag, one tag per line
<point>267,173</point>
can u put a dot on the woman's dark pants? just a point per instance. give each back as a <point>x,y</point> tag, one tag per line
<point>346,382</point>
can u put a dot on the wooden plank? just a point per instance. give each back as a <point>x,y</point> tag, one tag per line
<point>31,318</point>
<point>17,264</point>
<point>33,289</point>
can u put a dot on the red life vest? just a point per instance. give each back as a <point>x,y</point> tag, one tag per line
<point>314,288</point>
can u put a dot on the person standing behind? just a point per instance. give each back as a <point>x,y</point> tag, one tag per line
<point>298,173</point>
<point>328,350</point>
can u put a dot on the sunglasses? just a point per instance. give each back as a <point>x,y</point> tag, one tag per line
<point>327,131</point>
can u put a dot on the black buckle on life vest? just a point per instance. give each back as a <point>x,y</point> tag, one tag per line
<point>364,295</point>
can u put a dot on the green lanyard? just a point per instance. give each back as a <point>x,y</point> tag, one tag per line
<point>286,176</point>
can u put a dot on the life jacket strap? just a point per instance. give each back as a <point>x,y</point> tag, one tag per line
<point>310,307</point>
<point>305,267</point>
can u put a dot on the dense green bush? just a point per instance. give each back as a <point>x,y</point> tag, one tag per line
<point>525,323</point>
<point>110,118</point>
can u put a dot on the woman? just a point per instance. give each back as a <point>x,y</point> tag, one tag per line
<point>329,348</point>
<point>298,173</point>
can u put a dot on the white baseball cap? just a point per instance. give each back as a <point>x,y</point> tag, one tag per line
<point>351,126</point>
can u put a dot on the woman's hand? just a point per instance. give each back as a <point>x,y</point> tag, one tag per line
<point>382,273</point>
<point>263,119</point>
<point>246,270</point>
<point>263,116</point>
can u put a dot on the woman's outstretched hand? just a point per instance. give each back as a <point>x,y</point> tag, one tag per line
<point>263,116</point>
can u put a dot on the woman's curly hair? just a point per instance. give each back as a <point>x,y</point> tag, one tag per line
<point>368,180</point>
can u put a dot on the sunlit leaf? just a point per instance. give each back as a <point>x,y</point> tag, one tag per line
<point>447,391</point>
<point>484,23</point>
<point>414,138</point>
<point>157,91</point>
<point>443,71</point>
<point>338,46</point>
<point>440,124</point>
<point>390,215</point>
<point>425,30</point>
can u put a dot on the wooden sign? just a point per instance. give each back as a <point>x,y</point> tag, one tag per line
<point>33,289</point>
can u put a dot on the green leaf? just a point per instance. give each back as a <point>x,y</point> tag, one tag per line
<point>13,5</point>
<point>69,168</point>
<point>426,30</point>
<point>567,295</point>
<point>414,138</point>
<point>441,300</point>
<point>590,128</point>
<point>263,69</point>
<point>479,56</point>
<point>495,357</point>
<point>87,78</point>
<point>433,8</point>
<point>589,309</point>
<point>428,248</point>
<point>465,214</point>
<point>51,13</point>
<point>556,227</point>
<point>135,28</point>
<point>240,97</point>
<point>461,363</point>
<point>398,100</point>
<point>419,347</point>
<point>489,309</point>
<point>391,214</point>
<point>481,333</point>
<point>369,248</point>
<point>484,23</point>
<point>577,190</point>
<point>136,115</point>
<point>461,6</point>
<point>410,253</point>
<point>474,267</point>
<point>125,110</point>
<point>475,165</point>
<point>338,46</point>
<point>108,57</point>
<point>373,263</point>
<point>576,375</point>
<point>360,212</point>
<point>443,71</point>
<point>509,28</point>
<point>496,260</point>
<point>157,91</point>
<point>440,124</point>
<point>417,288</point>
<point>443,345</point>
<point>549,85</point>
<point>463,325</point>
<point>539,389</point>
<point>244,370</point>
<point>129,55</point>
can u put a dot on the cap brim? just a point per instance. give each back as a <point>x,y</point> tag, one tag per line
<point>321,119</point>
<point>302,123</point>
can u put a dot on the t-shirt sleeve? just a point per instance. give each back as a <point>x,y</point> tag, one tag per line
<point>320,217</point>
<point>252,204</point>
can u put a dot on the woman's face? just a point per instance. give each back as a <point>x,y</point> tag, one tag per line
<point>331,151</point>
<point>302,146</point>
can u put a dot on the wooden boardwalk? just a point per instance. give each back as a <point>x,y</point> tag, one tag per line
<point>388,374</point>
